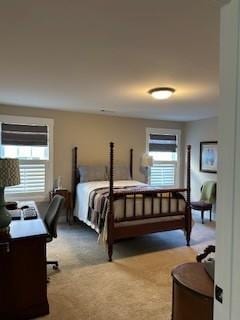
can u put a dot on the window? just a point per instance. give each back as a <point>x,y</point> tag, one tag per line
<point>31,141</point>
<point>162,145</point>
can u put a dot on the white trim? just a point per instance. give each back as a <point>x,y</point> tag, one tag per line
<point>176,132</point>
<point>228,238</point>
<point>35,121</point>
<point>228,218</point>
<point>27,120</point>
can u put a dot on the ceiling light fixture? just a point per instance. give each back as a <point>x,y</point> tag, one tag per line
<point>161,93</point>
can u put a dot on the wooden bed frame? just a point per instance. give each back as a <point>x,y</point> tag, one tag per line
<point>120,232</point>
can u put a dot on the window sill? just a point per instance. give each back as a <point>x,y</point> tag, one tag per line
<point>27,197</point>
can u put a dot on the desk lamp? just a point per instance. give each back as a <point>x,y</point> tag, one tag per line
<point>9,176</point>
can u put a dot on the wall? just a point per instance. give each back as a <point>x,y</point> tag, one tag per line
<point>92,134</point>
<point>196,131</point>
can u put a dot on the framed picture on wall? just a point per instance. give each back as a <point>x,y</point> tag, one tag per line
<point>208,156</point>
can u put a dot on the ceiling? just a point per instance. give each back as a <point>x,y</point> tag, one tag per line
<point>91,55</point>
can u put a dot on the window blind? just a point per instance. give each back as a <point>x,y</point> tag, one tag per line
<point>24,135</point>
<point>32,177</point>
<point>162,143</point>
<point>163,174</point>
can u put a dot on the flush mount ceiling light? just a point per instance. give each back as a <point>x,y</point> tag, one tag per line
<point>161,93</point>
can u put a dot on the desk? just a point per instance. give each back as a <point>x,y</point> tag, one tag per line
<point>23,272</point>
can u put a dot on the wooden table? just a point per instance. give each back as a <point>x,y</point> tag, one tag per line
<point>68,202</point>
<point>23,271</point>
<point>192,293</point>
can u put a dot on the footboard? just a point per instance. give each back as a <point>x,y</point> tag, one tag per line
<point>147,203</point>
<point>148,210</point>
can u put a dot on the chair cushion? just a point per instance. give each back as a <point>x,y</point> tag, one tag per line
<point>201,205</point>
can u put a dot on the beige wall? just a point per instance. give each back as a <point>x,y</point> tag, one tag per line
<point>196,131</point>
<point>92,134</point>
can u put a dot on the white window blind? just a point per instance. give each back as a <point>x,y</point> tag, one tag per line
<point>163,174</point>
<point>33,178</point>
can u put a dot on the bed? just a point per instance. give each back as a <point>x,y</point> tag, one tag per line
<point>122,207</point>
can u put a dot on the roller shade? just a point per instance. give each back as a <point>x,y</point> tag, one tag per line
<point>24,135</point>
<point>162,143</point>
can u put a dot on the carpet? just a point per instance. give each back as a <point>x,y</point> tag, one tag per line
<point>136,285</point>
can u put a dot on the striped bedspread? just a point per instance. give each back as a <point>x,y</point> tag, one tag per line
<point>98,205</point>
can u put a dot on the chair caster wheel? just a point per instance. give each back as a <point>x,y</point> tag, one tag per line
<point>55,267</point>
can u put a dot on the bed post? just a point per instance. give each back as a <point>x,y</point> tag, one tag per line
<point>74,174</point>
<point>110,210</point>
<point>189,211</point>
<point>131,163</point>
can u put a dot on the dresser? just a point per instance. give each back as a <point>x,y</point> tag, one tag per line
<point>193,291</point>
<point>23,273</point>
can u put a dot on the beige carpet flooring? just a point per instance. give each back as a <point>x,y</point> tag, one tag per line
<point>136,285</point>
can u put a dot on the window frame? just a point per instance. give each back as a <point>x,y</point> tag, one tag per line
<point>49,163</point>
<point>176,132</point>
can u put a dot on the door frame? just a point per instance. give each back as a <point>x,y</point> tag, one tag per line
<point>228,203</point>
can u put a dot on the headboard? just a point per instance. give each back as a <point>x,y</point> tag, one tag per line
<point>75,171</point>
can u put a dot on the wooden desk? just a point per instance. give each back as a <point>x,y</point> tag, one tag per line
<point>23,272</point>
<point>192,293</point>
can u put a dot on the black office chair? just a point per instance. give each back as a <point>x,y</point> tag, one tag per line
<point>51,220</point>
